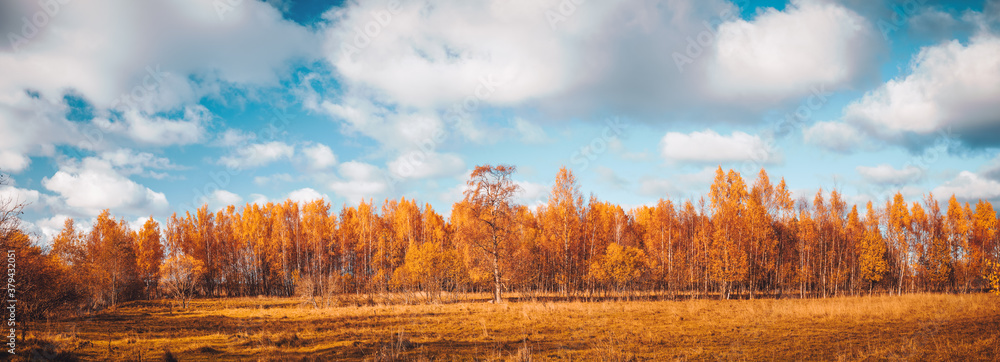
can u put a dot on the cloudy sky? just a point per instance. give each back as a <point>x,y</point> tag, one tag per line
<point>151,108</point>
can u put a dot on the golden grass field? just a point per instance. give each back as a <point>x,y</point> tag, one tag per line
<point>909,327</point>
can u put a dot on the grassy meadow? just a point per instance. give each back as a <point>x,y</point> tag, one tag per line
<point>908,327</point>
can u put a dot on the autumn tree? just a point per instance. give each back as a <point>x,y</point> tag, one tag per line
<point>761,243</point>
<point>983,239</point>
<point>113,272</point>
<point>561,223</point>
<point>660,233</point>
<point>318,227</point>
<point>619,267</point>
<point>180,276</point>
<point>957,226</point>
<point>872,251</point>
<point>149,255</point>
<point>897,235</point>
<point>728,262</point>
<point>490,198</point>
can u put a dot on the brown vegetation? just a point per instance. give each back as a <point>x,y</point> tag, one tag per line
<point>908,327</point>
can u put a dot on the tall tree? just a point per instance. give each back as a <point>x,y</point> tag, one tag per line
<point>561,224</point>
<point>871,259</point>
<point>149,255</point>
<point>729,265</point>
<point>490,198</point>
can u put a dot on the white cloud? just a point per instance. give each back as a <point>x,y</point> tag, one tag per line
<point>185,52</point>
<point>395,128</point>
<point>783,54</point>
<point>419,164</point>
<point>258,154</point>
<point>93,184</point>
<point>836,136</point>
<point>277,179</point>
<point>709,146</point>
<point>885,174</point>
<point>359,181</point>
<point>617,56</point>
<point>258,199</point>
<point>305,195</point>
<point>676,186</point>
<point>450,47</point>
<point>17,195</point>
<point>81,49</point>
<point>52,226</point>
<point>319,156</point>
<point>233,137</point>
<point>968,186</point>
<point>33,127</point>
<point>129,162</point>
<point>220,199</point>
<point>533,194</point>
<point>161,131</point>
<point>950,88</point>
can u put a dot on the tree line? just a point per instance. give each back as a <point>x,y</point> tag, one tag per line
<point>742,240</point>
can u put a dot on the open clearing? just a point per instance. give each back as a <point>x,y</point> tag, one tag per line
<point>921,327</point>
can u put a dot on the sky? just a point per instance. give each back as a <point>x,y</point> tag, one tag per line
<point>156,107</point>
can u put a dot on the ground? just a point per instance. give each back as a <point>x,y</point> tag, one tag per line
<point>908,327</point>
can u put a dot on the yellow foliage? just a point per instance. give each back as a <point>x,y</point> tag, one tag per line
<point>993,277</point>
<point>620,266</point>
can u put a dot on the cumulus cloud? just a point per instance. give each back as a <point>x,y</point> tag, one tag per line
<point>419,164</point>
<point>30,126</point>
<point>178,53</point>
<point>130,162</point>
<point>16,195</point>
<point>396,129</point>
<point>836,136</point>
<point>258,154</point>
<point>359,181</point>
<point>532,194</point>
<point>276,179</point>
<point>885,174</point>
<point>249,45</point>
<point>951,89</point>
<point>968,186</point>
<point>94,184</point>
<point>618,56</point>
<point>220,199</point>
<point>709,146</point>
<point>162,131</point>
<point>305,195</point>
<point>783,54</point>
<point>319,156</point>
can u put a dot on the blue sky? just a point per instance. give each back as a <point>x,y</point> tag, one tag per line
<point>158,107</point>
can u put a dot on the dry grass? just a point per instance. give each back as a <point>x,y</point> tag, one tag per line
<point>910,327</point>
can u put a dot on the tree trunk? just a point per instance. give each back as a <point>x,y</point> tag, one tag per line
<point>496,279</point>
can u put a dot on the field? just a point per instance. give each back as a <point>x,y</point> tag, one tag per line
<point>909,327</point>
